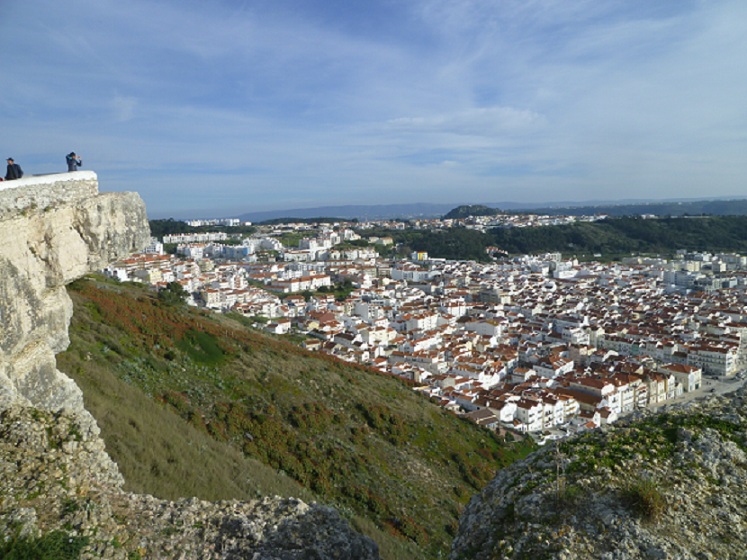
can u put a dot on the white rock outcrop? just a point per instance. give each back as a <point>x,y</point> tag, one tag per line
<point>53,230</point>
<point>665,485</point>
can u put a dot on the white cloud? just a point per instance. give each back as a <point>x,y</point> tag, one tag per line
<point>123,107</point>
<point>481,121</point>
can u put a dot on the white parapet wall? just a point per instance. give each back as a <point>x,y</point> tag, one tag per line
<point>44,191</point>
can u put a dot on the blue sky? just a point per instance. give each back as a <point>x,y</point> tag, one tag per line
<point>230,106</point>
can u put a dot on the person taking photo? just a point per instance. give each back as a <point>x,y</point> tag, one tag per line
<point>13,171</point>
<point>73,161</point>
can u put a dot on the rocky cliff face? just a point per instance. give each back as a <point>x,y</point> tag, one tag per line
<point>53,229</point>
<point>59,490</point>
<point>670,485</point>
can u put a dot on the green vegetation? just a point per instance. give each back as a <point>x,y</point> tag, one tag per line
<point>172,388</point>
<point>55,545</point>
<point>173,294</point>
<point>159,228</point>
<point>629,235</point>
<point>610,238</point>
<point>645,499</point>
<point>652,439</point>
<point>354,243</point>
<point>455,243</point>
<point>341,290</point>
<point>461,212</point>
<point>202,347</point>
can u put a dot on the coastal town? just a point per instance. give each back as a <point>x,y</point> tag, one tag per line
<point>536,344</point>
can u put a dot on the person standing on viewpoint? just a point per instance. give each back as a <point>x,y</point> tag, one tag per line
<point>73,161</point>
<point>13,171</point>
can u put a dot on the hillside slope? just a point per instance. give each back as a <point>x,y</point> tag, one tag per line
<point>400,467</point>
<point>62,500</point>
<point>61,494</point>
<point>669,485</point>
<point>612,237</point>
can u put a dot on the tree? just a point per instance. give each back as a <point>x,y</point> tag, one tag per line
<point>173,294</point>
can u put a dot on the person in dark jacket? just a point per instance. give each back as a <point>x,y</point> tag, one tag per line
<point>14,170</point>
<point>73,161</point>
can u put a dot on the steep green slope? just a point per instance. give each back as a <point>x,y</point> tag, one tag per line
<point>259,415</point>
<point>610,237</point>
<point>626,235</point>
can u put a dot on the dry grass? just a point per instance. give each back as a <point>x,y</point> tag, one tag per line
<point>194,404</point>
<point>645,498</point>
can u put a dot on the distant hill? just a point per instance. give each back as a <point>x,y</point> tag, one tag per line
<point>737,207</point>
<point>193,403</point>
<point>471,210</point>
<point>421,210</point>
<point>361,212</point>
<point>628,235</point>
<point>674,207</point>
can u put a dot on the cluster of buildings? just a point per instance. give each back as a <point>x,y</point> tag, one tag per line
<point>484,223</point>
<point>527,344</point>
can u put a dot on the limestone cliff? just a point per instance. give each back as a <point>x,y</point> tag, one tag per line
<point>53,229</point>
<point>59,490</point>
<point>669,485</point>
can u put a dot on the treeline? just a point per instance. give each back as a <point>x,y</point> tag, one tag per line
<point>454,243</point>
<point>613,236</point>
<point>629,235</point>
<point>170,226</point>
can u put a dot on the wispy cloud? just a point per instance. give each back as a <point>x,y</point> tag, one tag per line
<point>307,102</point>
<point>481,121</point>
<point>123,107</point>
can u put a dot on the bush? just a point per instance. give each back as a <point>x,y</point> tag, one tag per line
<point>56,545</point>
<point>645,499</point>
<point>173,294</point>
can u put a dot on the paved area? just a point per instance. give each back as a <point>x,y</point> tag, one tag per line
<point>709,387</point>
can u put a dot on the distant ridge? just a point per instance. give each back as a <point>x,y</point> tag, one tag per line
<point>672,207</point>
<point>362,212</point>
<point>720,207</point>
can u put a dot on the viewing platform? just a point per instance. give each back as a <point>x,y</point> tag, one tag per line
<point>44,191</point>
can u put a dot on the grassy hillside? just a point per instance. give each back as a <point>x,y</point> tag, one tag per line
<point>627,235</point>
<point>611,237</point>
<point>192,403</point>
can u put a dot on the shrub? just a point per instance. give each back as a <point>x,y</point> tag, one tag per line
<point>173,294</point>
<point>202,347</point>
<point>56,545</point>
<point>645,499</point>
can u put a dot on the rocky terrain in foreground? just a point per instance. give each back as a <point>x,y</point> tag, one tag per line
<point>659,486</point>
<point>60,492</point>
